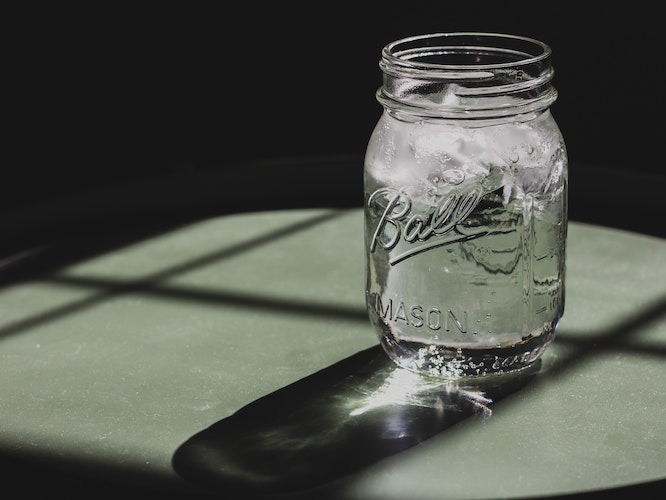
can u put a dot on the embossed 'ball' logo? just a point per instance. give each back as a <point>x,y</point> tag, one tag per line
<point>398,221</point>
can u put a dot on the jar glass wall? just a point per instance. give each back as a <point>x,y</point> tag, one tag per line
<point>465,205</point>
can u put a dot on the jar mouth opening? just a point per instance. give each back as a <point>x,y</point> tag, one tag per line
<point>467,74</point>
<point>465,52</point>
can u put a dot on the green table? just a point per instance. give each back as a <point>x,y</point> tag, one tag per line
<point>233,356</point>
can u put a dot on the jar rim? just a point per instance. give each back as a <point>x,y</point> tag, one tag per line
<point>469,74</point>
<point>401,54</point>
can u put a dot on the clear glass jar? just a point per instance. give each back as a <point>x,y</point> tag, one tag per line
<point>465,204</point>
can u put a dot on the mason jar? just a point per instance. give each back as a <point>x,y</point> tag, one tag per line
<point>465,204</point>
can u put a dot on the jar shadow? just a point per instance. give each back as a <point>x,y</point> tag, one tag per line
<point>333,424</point>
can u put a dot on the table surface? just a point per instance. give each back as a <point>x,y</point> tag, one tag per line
<point>234,355</point>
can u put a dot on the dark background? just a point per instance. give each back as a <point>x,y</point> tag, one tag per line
<point>177,99</point>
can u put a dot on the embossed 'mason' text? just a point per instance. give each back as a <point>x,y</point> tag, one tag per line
<point>419,316</point>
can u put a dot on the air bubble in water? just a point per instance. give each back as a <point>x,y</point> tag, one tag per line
<point>453,176</point>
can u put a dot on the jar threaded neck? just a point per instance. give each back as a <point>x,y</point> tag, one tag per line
<point>470,75</point>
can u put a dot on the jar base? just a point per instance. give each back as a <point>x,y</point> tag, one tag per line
<point>450,362</point>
